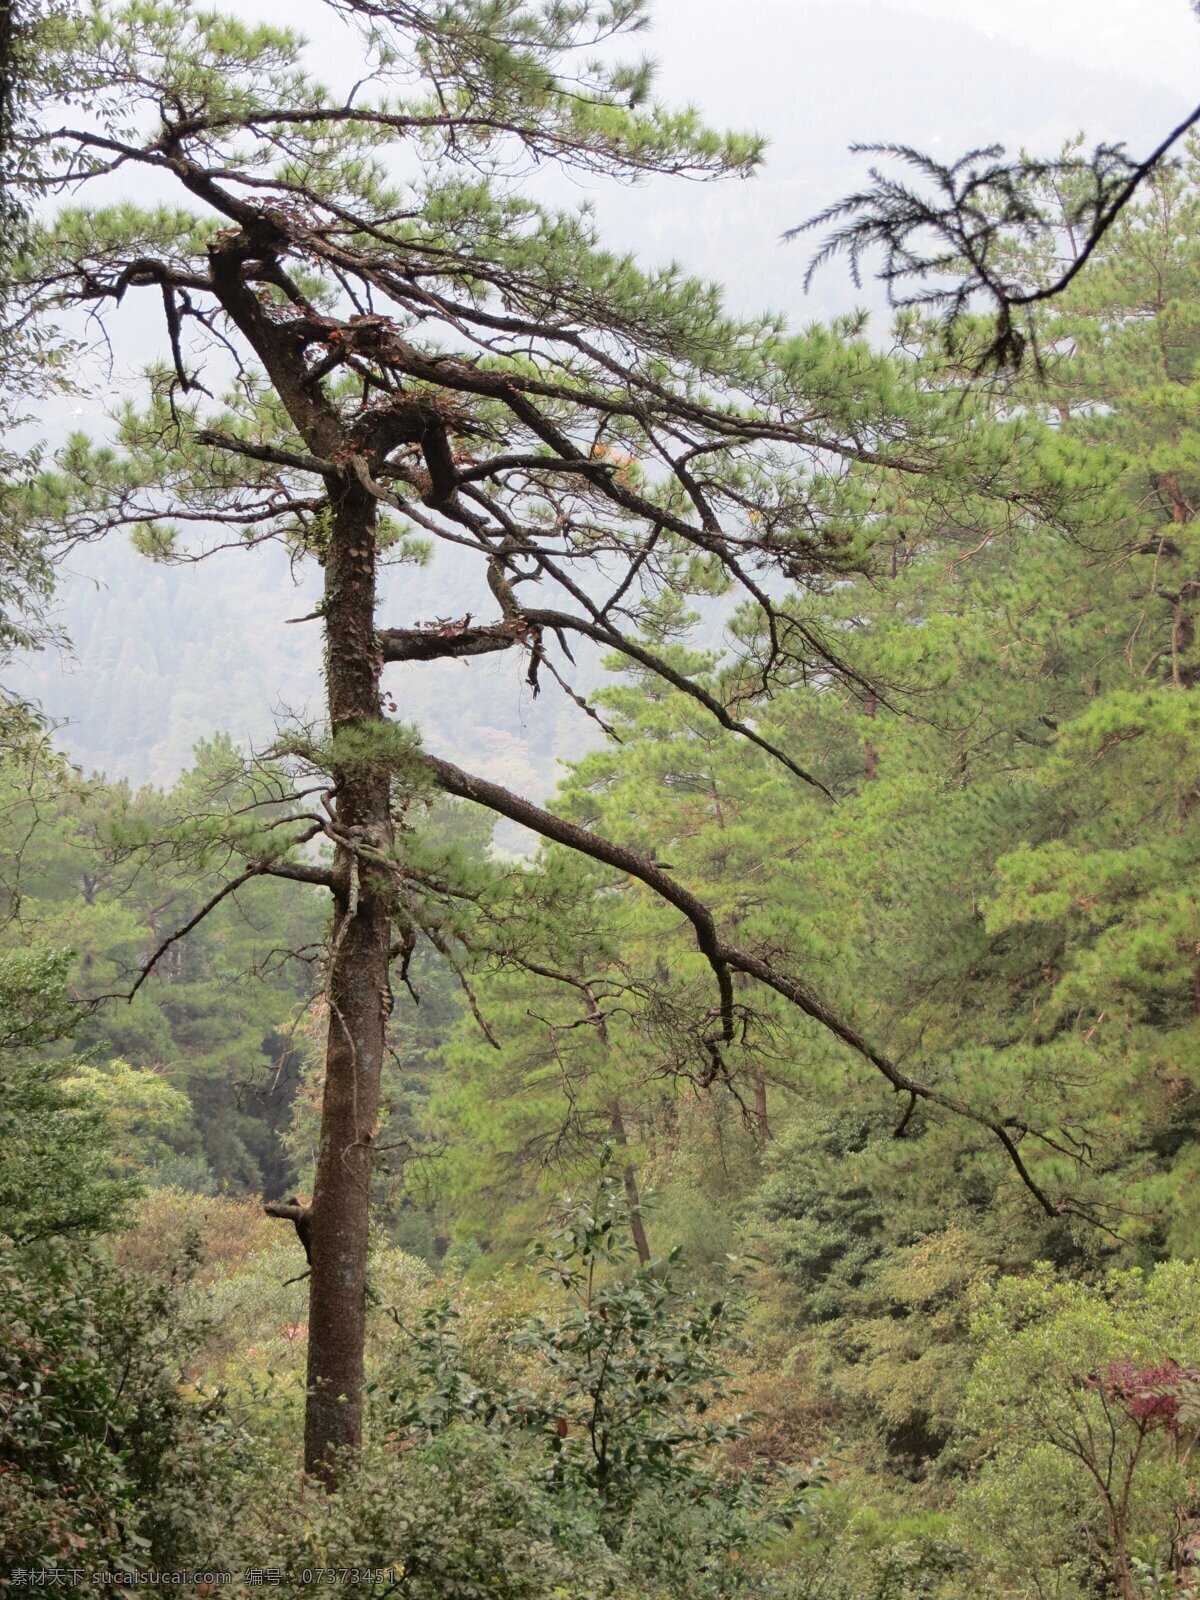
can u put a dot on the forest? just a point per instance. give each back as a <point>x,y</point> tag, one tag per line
<point>740,1145</point>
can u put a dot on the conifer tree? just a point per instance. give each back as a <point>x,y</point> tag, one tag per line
<point>369,335</point>
<point>28,361</point>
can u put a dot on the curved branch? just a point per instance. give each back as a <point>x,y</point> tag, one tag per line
<point>1108,215</point>
<point>727,958</point>
<point>209,905</point>
<point>422,644</point>
<point>301,1218</point>
<point>970,214</point>
<point>466,786</point>
<point>616,640</point>
<point>298,871</point>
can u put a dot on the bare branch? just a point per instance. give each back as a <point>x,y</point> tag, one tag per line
<point>266,867</point>
<point>978,201</point>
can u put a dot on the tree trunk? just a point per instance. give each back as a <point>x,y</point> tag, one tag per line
<point>637,1226</point>
<point>762,1125</point>
<point>358,991</point>
<point>359,1001</point>
<point>8,87</point>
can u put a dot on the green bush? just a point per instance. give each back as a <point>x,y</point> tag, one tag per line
<point>108,1455</point>
<point>1084,1411</point>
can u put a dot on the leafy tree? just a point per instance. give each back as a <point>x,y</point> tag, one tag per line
<point>110,1459</point>
<point>30,360</point>
<point>639,1370</point>
<point>77,876</point>
<point>146,1113</point>
<point>105,1458</point>
<point>520,1106</point>
<point>427,352</point>
<point>1004,887</point>
<point>627,1397</point>
<point>1086,1399</point>
<point>54,1178</point>
<point>823,1220</point>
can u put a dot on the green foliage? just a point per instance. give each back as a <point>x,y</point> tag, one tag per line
<point>988,662</point>
<point>1084,1399</point>
<point>54,1134</point>
<point>1004,892</point>
<point>637,1361</point>
<point>822,1219</point>
<point>54,1156</point>
<point>62,1488</point>
<point>145,1114</point>
<point>107,1456</point>
<point>623,1404</point>
<point>460,1518</point>
<point>185,1070</point>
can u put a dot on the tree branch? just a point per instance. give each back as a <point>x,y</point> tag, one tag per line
<point>421,644</point>
<point>468,787</point>
<point>449,641</point>
<point>276,869</point>
<point>264,452</point>
<point>726,958</point>
<point>972,209</point>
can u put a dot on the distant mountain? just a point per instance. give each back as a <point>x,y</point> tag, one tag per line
<point>164,656</point>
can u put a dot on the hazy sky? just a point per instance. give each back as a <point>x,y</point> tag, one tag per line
<point>813,75</point>
<point>945,75</point>
<point>1155,40</point>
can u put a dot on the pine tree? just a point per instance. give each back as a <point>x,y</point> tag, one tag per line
<point>411,347</point>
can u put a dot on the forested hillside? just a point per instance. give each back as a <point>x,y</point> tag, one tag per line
<point>192,673</point>
<point>778,1176</point>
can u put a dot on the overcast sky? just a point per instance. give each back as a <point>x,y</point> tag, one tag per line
<point>812,75</point>
<point>816,75</point>
<point>1154,40</point>
<point>944,75</point>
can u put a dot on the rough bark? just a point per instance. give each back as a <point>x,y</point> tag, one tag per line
<point>359,1003</point>
<point>637,1225</point>
<point>870,754</point>
<point>358,991</point>
<point>762,1122</point>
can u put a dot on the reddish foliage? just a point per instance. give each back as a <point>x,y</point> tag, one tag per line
<point>1151,1397</point>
